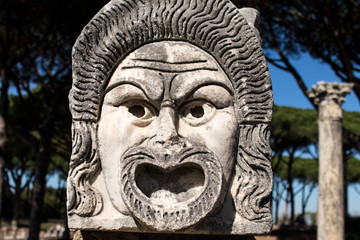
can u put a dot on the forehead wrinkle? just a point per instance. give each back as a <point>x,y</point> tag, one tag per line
<point>170,62</point>
<point>170,67</point>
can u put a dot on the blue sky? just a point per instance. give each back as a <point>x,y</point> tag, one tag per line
<point>287,93</point>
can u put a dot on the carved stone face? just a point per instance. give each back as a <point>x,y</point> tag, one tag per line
<point>167,135</point>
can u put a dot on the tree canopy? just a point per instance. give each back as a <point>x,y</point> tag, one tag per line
<point>328,30</point>
<point>36,38</point>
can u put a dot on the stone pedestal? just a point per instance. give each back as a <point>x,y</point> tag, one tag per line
<point>96,235</point>
<point>330,215</point>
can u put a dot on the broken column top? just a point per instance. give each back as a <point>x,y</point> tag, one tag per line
<point>329,93</point>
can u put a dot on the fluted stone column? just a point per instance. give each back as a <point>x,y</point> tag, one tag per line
<point>330,214</point>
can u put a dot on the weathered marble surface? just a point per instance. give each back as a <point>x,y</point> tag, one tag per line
<point>330,213</point>
<point>171,104</point>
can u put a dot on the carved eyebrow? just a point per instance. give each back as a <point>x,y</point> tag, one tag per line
<point>180,99</point>
<point>148,91</point>
<point>134,83</point>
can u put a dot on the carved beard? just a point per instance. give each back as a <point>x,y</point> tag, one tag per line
<point>170,193</point>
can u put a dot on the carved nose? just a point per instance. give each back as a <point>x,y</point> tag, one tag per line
<point>167,131</point>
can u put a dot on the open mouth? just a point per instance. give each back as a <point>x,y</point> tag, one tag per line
<point>181,183</point>
<point>173,193</point>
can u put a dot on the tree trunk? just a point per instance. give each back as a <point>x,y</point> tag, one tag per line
<point>286,221</point>
<point>345,186</point>
<point>66,233</point>
<point>276,210</point>
<point>290,188</point>
<point>16,209</point>
<point>2,162</point>
<point>303,204</point>
<point>292,202</point>
<point>4,106</point>
<point>41,169</point>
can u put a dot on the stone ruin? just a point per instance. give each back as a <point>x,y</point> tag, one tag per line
<point>171,104</point>
<point>330,212</point>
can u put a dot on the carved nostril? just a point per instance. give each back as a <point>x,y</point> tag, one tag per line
<point>160,142</point>
<point>166,137</point>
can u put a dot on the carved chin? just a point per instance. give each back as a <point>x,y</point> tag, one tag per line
<point>170,193</point>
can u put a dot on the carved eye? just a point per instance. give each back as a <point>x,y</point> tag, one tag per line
<point>138,111</point>
<point>142,113</point>
<point>197,112</point>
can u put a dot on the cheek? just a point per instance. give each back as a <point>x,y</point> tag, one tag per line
<point>219,135</point>
<point>111,132</point>
<point>116,134</point>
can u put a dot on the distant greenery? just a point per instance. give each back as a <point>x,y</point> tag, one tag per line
<point>351,120</point>
<point>54,206</point>
<point>295,156</point>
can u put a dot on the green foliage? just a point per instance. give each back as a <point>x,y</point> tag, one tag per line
<point>306,170</point>
<point>293,128</point>
<point>54,204</point>
<point>353,170</point>
<point>303,169</point>
<point>351,121</point>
